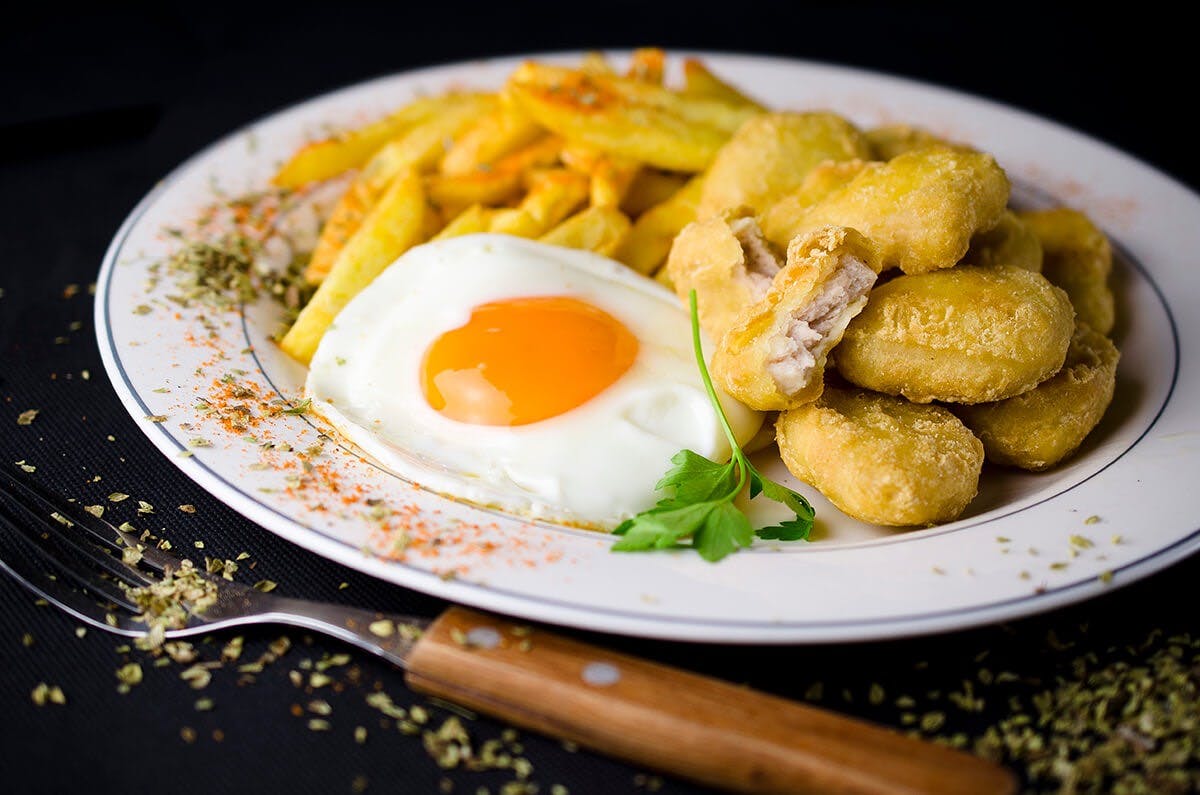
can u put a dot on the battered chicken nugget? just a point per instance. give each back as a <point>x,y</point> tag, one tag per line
<point>729,264</point>
<point>1078,258</point>
<point>1011,242</point>
<point>1041,427</point>
<point>962,335</point>
<point>774,356</point>
<point>922,208</point>
<point>769,156</point>
<point>827,177</point>
<point>882,459</point>
<point>896,139</point>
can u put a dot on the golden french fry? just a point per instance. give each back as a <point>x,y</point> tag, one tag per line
<point>552,196</point>
<point>492,187</point>
<point>646,246</point>
<point>596,63</point>
<point>643,122</point>
<point>345,219</point>
<point>611,174</point>
<point>650,187</point>
<point>473,220</point>
<point>395,224</point>
<point>771,154</point>
<point>599,229</point>
<point>700,82</point>
<point>417,149</point>
<point>504,130</point>
<point>663,277</point>
<point>332,156</point>
<point>922,207</point>
<point>646,65</point>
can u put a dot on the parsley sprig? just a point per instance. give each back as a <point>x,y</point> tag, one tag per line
<point>701,493</point>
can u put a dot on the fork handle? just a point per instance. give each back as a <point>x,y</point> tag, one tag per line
<point>692,726</point>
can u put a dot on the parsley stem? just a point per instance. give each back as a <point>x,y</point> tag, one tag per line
<point>698,347</point>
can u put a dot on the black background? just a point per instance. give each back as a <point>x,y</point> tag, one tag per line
<point>98,103</point>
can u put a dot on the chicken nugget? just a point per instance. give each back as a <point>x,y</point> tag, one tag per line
<point>896,139</point>
<point>729,264</point>
<point>1045,425</point>
<point>1011,242</point>
<point>921,208</point>
<point>774,356</point>
<point>961,335</point>
<point>1078,258</point>
<point>827,177</point>
<point>769,156</point>
<point>880,458</point>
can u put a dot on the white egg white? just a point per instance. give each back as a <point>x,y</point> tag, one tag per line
<point>594,465</point>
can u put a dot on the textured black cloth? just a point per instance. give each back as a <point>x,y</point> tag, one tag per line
<point>99,104</point>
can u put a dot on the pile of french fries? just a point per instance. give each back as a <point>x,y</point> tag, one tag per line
<point>583,157</point>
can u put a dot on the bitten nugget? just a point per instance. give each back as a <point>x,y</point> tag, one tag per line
<point>1011,242</point>
<point>774,356</point>
<point>882,459</point>
<point>1043,426</point>
<point>727,262</point>
<point>921,208</point>
<point>962,335</point>
<point>1078,258</point>
<point>770,155</point>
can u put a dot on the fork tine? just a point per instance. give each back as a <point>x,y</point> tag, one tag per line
<point>64,561</point>
<point>34,521</point>
<point>33,497</point>
<point>17,559</point>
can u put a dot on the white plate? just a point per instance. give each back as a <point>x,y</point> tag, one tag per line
<point>1135,477</point>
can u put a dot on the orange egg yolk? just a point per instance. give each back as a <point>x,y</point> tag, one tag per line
<point>523,360</point>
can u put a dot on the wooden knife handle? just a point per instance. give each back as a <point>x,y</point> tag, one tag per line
<point>681,723</point>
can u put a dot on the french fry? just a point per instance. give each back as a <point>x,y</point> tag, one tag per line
<point>596,63</point>
<point>417,149</point>
<point>650,187</point>
<point>611,174</point>
<point>699,82</point>
<point>599,229</point>
<point>663,277</point>
<point>452,193</point>
<point>552,195</point>
<point>646,246</point>
<point>504,130</point>
<point>324,159</point>
<point>624,117</point>
<point>646,66</point>
<point>395,224</point>
<point>470,221</point>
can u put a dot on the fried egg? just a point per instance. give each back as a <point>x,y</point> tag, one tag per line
<point>549,382</point>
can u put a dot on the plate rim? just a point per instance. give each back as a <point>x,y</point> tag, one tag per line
<point>614,620</point>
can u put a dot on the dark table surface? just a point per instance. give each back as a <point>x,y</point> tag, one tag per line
<point>98,105</point>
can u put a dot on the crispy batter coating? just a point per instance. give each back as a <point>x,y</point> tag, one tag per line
<point>770,155</point>
<point>922,207</point>
<point>896,139</point>
<point>961,335</point>
<point>1011,242</point>
<point>827,177</point>
<point>1078,258</point>
<point>773,358</point>
<point>729,264</point>
<point>1045,425</point>
<point>882,459</point>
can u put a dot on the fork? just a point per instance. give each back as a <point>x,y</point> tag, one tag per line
<point>682,723</point>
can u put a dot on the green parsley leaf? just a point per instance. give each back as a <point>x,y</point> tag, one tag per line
<point>699,506</point>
